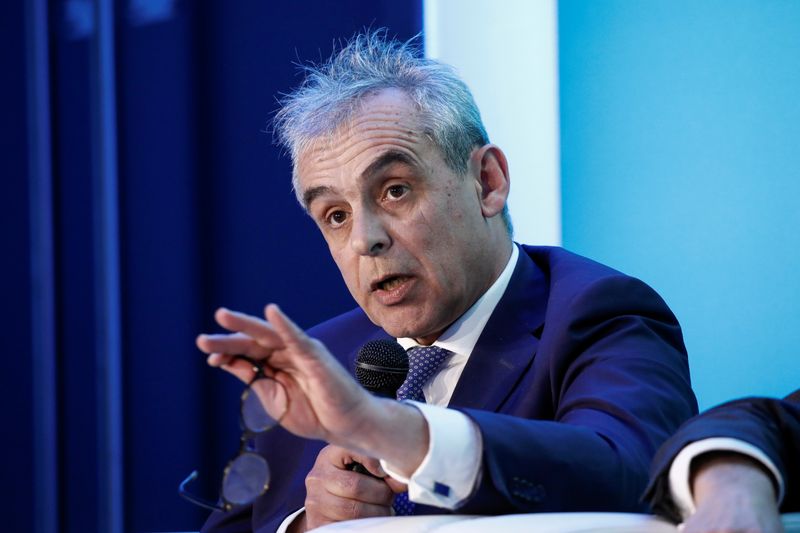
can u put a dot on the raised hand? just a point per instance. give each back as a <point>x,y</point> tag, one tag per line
<point>324,402</point>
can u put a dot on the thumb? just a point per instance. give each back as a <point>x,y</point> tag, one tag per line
<point>396,486</point>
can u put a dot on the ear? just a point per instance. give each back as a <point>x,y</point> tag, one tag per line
<point>492,180</point>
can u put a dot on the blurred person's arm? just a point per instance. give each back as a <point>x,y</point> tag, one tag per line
<point>732,492</point>
<point>730,467</point>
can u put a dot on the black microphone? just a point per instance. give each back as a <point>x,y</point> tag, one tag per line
<point>381,368</point>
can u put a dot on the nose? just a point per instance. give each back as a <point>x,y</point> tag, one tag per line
<point>368,235</point>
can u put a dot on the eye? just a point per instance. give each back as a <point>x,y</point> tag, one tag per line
<point>336,218</point>
<point>395,192</point>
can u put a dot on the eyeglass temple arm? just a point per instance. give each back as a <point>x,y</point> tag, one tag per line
<point>202,502</point>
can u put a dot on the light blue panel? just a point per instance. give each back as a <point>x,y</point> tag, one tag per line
<point>681,165</point>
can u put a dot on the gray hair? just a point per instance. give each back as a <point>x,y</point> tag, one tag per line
<point>369,62</point>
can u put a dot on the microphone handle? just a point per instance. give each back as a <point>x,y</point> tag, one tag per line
<point>358,468</point>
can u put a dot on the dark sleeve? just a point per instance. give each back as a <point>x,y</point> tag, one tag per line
<point>614,364</point>
<point>771,425</point>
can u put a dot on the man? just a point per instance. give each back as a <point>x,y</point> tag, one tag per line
<point>733,468</point>
<point>555,378</point>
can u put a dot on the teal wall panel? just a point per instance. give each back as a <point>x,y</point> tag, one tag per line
<point>680,146</point>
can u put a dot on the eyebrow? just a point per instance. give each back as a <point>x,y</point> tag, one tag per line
<point>313,193</point>
<point>387,158</point>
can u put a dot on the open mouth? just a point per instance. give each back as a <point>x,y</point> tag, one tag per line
<point>390,283</point>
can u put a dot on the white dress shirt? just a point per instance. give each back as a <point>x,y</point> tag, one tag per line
<point>449,471</point>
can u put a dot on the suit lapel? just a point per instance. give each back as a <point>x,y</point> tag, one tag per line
<point>508,343</point>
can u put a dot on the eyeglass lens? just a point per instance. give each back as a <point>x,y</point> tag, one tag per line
<point>254,417</point>
<point>246,478</point>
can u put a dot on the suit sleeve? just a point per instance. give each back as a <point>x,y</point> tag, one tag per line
<point>771,425</point>
<point>613,363</point>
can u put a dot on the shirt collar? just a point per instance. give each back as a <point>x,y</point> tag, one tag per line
<point>462,335</point>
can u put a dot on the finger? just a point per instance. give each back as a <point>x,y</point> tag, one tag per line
<point>301,349</point>
<point>372,465</point>
<point>396,486</point>
<point>325,507</point>
<point>342,458</point>
<point>288,331</point>
<point>232,344</point>
<point>238,367</point>
<point>338,510</point>
<point>273,397</point>
<point>330,475</point>
<point>355,486</point>
<point>257,329</point>
<point>219,359</point>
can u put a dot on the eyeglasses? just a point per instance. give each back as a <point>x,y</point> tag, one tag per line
<point>247,475</point>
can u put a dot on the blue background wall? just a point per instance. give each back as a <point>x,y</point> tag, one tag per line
<point>206,217</point>
<point>680,149</point>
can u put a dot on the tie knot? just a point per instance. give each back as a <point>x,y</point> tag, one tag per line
<point>423,362</point>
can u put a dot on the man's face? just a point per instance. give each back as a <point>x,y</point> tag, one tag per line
<point>406,232</point>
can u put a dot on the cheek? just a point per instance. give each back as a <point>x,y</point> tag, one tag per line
<point>347,268</point>
<point>449,247</point>
<point>440,232</point>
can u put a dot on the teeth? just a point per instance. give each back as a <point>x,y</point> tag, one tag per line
<point>392,283</point>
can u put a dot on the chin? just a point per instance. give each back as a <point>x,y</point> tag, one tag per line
<point>404,331</point>
<point>402,325</point>
<point>397,329</point>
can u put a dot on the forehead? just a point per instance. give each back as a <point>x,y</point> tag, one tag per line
<point>385,122</point>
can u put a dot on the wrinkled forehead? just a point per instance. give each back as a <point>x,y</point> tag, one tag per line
<point>388,119</point>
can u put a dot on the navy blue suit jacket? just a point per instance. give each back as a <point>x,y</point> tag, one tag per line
<point>578,377</point>
<point>769,424</point>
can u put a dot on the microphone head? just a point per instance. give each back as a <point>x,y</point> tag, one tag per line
<point>381,367</point>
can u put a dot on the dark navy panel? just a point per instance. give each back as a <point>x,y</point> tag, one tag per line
<point>163,286</point>
<point>209,219</point>
<point>75,253</point>
<point>16,371</point>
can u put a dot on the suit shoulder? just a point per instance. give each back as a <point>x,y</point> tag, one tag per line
<point>560,263</point>
<point>575,280</point>
<point>573,273</point>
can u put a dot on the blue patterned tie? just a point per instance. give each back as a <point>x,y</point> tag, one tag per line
<point>423,363</point>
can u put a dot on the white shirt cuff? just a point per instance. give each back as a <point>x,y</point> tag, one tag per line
<point>449,471</point>
<point>679,471</point>
<point>288,520</point>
